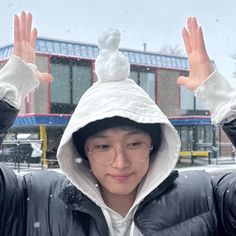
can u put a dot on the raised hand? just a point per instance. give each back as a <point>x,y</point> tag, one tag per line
<point>24,42</point>
<point>200,64</point>
<point>24,37</point>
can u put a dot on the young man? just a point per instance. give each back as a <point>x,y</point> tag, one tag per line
<point>117,153</point>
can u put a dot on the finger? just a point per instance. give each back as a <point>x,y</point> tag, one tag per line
<point>193,32</point>
<point>44,77</point>
<point>17,36</point>
<point>28,26</point>
<point>48,77</point>
<point>188,29</point>
<point>200,41</point>
<point>182,80</point>
<point>33,37</point>
<point>23,26</point>
<point>186,39</point>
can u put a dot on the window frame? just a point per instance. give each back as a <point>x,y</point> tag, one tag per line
<point>68,108</point>
<point>142,69</point>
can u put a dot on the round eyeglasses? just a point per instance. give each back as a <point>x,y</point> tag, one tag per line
<point>106,154</point>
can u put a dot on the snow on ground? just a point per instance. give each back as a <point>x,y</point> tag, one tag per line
<point>213,169</point>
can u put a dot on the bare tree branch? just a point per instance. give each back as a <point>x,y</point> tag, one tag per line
<point>171,50</point>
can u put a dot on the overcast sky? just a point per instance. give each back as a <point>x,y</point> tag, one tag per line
<point>155,22</point>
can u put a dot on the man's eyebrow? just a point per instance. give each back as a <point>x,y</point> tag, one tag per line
<point>99,135</point>
<point>103,135</point>
<point>135,132</point>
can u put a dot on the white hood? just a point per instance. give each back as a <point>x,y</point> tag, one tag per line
<point>123,98</point>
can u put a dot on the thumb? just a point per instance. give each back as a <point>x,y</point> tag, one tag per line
<point>45,77</point>
<point>182,80</point>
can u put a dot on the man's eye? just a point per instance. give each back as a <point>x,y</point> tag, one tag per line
<point>102,147</point>
<point>134,145</point>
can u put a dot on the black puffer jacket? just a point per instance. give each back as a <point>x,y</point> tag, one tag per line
<point>46,204</point>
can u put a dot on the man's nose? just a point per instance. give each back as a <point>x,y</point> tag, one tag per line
<point>121,161</point>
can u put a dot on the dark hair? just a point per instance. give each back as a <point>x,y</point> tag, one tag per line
<point>80,137</point>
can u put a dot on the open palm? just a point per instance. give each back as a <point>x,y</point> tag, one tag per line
<point>24,42</point>
<point>199,62</point>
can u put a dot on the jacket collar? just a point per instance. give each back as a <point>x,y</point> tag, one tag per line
<point>160,189</point>
<point>75,200</point>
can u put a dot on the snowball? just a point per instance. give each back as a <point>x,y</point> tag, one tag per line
<point>111,65</point>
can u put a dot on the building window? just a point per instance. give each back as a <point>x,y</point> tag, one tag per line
<point>80,84</point>
<point>204,138</point>
<point>168,92</point>
<point>146,80</point>
<point>134,75</point>
<point>186,99</point>
<point>196,137</point>
<point>60,87</point>
<point>71,79</point>
<point>189,104</point>
<point>148,83</point>
<point>186,136</point>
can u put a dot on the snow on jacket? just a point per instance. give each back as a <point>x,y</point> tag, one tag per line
<point>48,203</point>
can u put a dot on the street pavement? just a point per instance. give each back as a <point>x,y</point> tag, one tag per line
<point>212,169</point>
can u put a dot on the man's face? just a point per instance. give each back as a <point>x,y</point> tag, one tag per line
<point>122,174</point>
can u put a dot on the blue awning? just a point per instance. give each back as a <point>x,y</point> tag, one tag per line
<point>90,51</point>
<point>191,120</point>
<point>35,120</point>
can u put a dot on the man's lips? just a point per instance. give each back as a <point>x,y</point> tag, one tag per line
<point>120,178</point>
